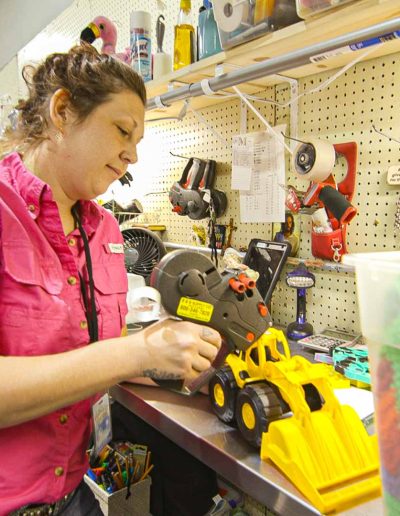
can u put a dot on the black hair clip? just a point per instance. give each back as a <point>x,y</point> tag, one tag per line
<point>126,179</point>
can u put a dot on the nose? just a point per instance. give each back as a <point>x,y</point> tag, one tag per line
<point>129,155</point>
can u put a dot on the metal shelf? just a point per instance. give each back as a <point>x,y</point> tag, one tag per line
<point>254,65</point>
<point>190,423</point>
<point>309,262</point>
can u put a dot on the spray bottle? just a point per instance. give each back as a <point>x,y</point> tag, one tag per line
<point>141,43</point>
<point>208,37</point>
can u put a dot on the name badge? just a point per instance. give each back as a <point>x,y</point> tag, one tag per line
<point>116,248</point>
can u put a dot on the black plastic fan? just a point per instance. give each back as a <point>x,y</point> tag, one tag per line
<point>143,249</point>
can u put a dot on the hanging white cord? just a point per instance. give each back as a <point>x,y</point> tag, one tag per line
<point>202,120</point>
<point>320,87</point>
<point>263,120</point>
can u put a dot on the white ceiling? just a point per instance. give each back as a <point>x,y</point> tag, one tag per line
<point>22,20</point>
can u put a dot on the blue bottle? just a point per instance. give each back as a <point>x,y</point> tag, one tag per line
<point>208,37</point>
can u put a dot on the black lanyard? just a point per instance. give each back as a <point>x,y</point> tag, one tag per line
<point>89,299</point>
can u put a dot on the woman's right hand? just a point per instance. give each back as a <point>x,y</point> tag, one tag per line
<point>174,350</point>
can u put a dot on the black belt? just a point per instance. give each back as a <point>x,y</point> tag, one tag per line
<point>44,509</point>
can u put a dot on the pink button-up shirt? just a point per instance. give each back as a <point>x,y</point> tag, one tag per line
<point>41,313</point>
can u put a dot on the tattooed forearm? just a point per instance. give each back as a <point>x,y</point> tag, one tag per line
<point>160,375</point>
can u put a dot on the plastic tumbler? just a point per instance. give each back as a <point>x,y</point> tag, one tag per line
<point>378,291</point>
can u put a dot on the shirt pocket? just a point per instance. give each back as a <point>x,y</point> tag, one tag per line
<point>32,315</point>
<point>26,267</point>
<point>111,284</point>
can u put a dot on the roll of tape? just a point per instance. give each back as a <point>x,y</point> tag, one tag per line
<point>144,304</point>
<point>314,160</point>
<point>230,15</point>
<point>162,64</point>
<point>320,219</point>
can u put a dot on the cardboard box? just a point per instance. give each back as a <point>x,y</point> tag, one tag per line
<point>116,504</point>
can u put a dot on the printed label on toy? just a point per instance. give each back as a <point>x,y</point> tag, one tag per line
<point>193,309</point>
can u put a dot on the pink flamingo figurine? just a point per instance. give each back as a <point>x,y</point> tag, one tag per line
<point>103,28</point>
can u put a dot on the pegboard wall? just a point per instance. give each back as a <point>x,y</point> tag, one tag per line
<point>65,30</point>
<point>344,111</point>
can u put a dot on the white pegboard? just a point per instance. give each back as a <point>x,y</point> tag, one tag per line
<point>344,111</point>
<point>189,138</point>
<point>64,31</point>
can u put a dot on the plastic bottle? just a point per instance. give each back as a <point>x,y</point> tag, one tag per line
<point>184,44</point>
<point>208,37</point>
<point>141,43</point>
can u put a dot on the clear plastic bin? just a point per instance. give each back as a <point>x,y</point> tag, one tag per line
<point>378,290</point>
<point>307,8</point>
<point>239,21</point>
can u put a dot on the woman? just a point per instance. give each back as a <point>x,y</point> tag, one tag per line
<point>63,282</point>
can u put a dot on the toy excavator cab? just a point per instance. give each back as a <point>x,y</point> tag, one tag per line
<point>273,347</point>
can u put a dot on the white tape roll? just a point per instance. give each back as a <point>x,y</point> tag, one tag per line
<point>320,219</point>
<point>324,160</point>
<point>144,304</point>
<point>230,15</point>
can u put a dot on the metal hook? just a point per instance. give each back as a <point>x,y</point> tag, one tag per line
<point>181,115</point>
<point>291,138</point>
<point>385,135</point>
<point>178,155</point>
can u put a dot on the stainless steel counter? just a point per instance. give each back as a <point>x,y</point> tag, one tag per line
<point>190,423</point>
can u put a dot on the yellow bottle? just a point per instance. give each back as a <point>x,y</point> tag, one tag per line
<point>184,50</point>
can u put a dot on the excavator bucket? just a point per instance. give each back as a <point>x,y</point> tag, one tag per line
<point>328,456</point>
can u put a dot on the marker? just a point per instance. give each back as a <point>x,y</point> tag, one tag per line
<point>91,475</point>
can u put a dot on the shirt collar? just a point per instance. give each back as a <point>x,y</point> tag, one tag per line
<point>36,192</point>
<point>29,187</point>
<point>91,214</point>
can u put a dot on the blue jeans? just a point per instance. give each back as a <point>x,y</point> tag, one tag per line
<point>83,503</point>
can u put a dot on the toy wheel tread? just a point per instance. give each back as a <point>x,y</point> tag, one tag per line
<point>223,392</point>
<point>256,407</point>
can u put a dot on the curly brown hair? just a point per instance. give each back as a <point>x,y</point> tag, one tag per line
<point>88,76</point>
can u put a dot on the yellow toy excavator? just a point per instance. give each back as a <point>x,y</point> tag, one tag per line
<point>287,406</point>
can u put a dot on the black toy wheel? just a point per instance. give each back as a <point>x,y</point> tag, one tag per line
<point>223,392</point>
<point>256,406</point>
